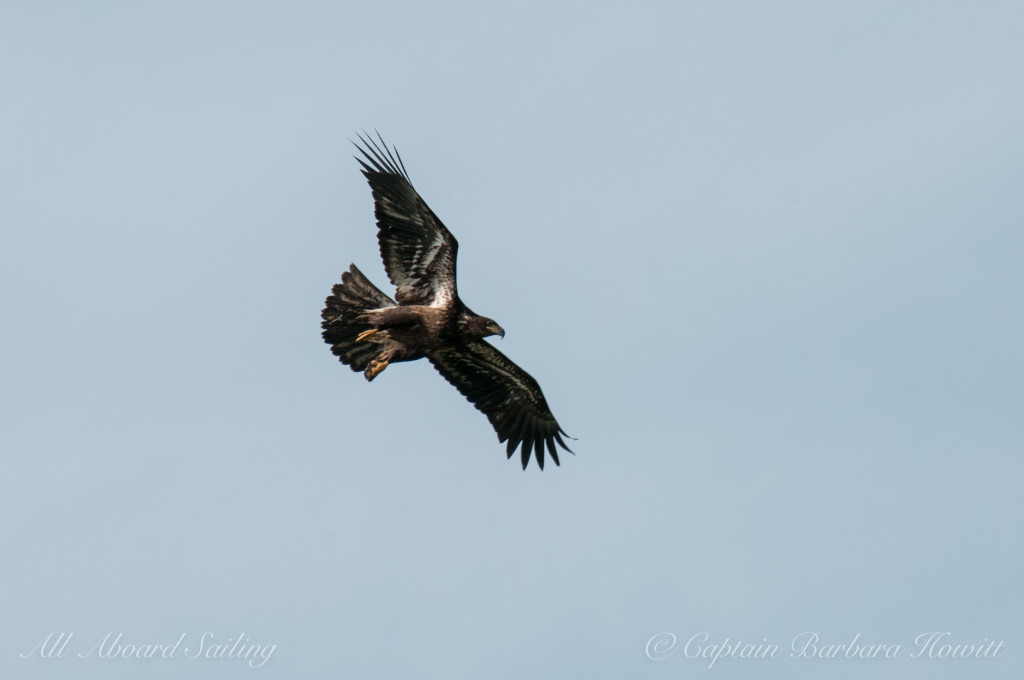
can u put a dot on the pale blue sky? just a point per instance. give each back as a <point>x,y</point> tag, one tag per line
<point>764,259</point>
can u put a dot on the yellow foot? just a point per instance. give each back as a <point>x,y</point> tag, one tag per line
<point>375,367</point>
<point>366,335</point>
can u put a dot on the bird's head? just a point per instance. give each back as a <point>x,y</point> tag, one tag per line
<point>485,327</point>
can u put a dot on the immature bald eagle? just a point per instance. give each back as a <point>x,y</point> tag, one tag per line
<point>368,330</point>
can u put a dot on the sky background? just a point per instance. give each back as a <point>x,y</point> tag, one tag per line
<point>765,260</point>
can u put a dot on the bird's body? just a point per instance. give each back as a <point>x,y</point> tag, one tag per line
<point>368,330</point>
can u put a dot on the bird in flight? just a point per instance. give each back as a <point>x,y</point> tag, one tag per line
<point>368,330</point>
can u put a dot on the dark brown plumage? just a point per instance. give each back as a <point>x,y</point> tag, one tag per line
<point>368,330</point>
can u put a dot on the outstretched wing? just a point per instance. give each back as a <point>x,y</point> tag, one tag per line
<point>505,393</point>
<point>417,249</point>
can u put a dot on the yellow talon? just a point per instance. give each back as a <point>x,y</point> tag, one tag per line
<point>366,335</point>
<point>375,367</point>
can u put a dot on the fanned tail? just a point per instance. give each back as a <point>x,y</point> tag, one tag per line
<point>347,301</point>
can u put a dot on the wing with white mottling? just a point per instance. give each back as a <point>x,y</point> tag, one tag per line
<point>418,250</point>
<point>505,393</point>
